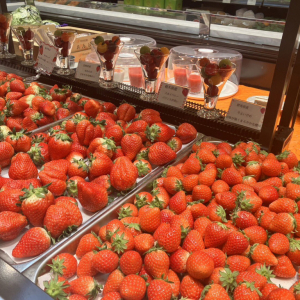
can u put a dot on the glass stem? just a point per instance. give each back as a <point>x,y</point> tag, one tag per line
<point>28,54</point>
<point>210,102</point>
<point>108,75</point>
<point>4,48</point>
<point>64,62</point>
<point>150,86</point>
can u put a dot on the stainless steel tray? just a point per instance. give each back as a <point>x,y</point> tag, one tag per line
<point>22,265</point>
<point>40,268</point>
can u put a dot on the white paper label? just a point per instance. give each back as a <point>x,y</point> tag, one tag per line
<point>172,94</point>
<point>251,2</point>
<point>88,71</point>
<point>246,114</point>
<point>46,59</point>
<point>226,1</point>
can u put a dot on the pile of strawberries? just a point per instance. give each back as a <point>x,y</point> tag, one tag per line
<point>220,225</point>
<point>88,156</point>
<point>31,106</point>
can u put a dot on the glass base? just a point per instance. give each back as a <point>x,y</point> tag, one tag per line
<point>108,84</point>
<point>64,72</point>
<point>28,62</point>
<point>150,97</point>
<point>7,55</point>
<point>208,114</point>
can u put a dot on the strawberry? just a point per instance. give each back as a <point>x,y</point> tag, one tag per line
<point>236,244</point>
<point>191,288</point>
<point>13,123</point>
<point>191,166</point>
<point>39,153</point>
<point>13,96</point>
<point>198,209</point>
<point>223,161</point>
<point>231,176</point>
<point>92,108</point>
<point>151,116</point>
<point>280,293</point>
<point>246,289</point>
<point>126,112</point>
<point>219,186</point>
<point>262,254</point>
<point>56,178</point>
<point>238,263</point>
<point>295,289</point>
<point>85,286</point>
<point>22,167</point>
<point>283,223</point>
<point>10,200</point>
<point>35,203</point>
<point>59,146</point>
<point>186,132</point>
<point>20,141</point>
<point>11,225</point>
<point>199,270</point>
<point>214,291</point>
<point>149,218</point>
<point>85,132</point>
<point>87,243</point>
<point>105,261</point>
<point>133,287</point>
<point>284,205</point>
<point>156,263</point>
<point>64,264</point>
<point>113,282</point>
<point>91,196</point>
<point>15,108</point>
<point>159,289</point>
<point>109,107</point>
<point>251,276</point>
<point>256,235</point>
<point>115,133</point>
<point>243,219</point>
<point>160,154</point>
<point>289,158</point>
<point>178,260</point>
<point>170,238</point>
<point>28,124</point>
<point>143,243</point>
<point>62,113</point>
<point>217,256</point>
<point>139,127</point>
<point>271,167</point>
<point>59,95</point>
<point>123,174</point>
<point>131,262</point>
<point>189,182</point>
<point>201,192</point>
<point>284,268</point>
<point>159,132</point>
<point>34,242</point>
<point>227,200</point>
<point>172,185</point>
<point>6,152</point>
<point>78,167</point>
<point>103,145</point>
<point>122,241</point>
<point>72,185</point>
<point>47,108</point>
<point>293,189</point>
<point>57,287</point>
<point>131,145</point>
<point>216,235</point>
<point>268,194</point>
<point>143,167</point>
<point>253,168</point>
<point>175,143</point>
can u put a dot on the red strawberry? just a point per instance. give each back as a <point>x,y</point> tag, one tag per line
<point>186,132</point>
<point>293,189</point>
<point>199,270</point>
<point>231,176</point>
<point>11,225</point>
<point>236,244</point>
<point>85,285</point>
<point>191,288</point>
<point>123,174</point>
<point>15,108</point>
<point>216,235</point>
<point>20,141</point>
<point>170,238</point>
<point>47,108</point>
<point>281,293</point>
<point>22,167</point>
<point>283,223</point>
<point>159,132</point>
<point>34,242</point>
<point>105,261</point>
<point>57,287</point>
<point>87,243</point>
<point>131,262</point>
<point>133,287</point>
<point>149,218</point>
<point>126,112</point>
<point>238,263</point>
<point>262,254</point>
<point>159,289</point>
<point>160,154</point>
<point>131,145</point>
<point>62,113</point>
<point>92,108</point>
<point>113,282</point>
<point>271,167</point>
<point>13,96</point>
<point>284,268</point>
<point>256,235</point>
<point>243,219</point>
<point>39,153</point>
<point>116,133</point>
<point>91,196</point>
<point>59,146</point>
<point>289,158</point>
<point>64,264</point>
<point>139,127</point>
<point>6,153</point>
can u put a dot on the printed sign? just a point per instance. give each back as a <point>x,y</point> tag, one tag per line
<point>46,60</point>
<point>251,2</point>
<point>246,114</point>
<point>88,71</point>
<point>226,1</point>
<point>171,94</point>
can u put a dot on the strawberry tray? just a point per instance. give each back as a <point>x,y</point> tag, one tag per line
<point>88,217</point>
<point>40,271</point>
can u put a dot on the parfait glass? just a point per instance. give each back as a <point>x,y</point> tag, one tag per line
<point>214,74</point>
<point>108,52</point>
<point>152,64</point>
<point>63,39</point>
<point>5,25</point>
<point>25,34</point>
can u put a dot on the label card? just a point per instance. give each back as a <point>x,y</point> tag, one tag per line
<point>172,94</point>
<point>46,59</point>
<point>88,71</point>
<point>226,1</point>
<point>246,114</point>
<point>251,2</point>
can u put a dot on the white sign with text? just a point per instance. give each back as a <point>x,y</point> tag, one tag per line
<point>88,71</point>
<point>46,60</point>
<point>246,114</point>
<point>173,95</point>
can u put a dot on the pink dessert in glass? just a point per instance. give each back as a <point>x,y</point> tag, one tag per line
<point>195,83</point>
<point>136,77</point>
<point>180,76</point>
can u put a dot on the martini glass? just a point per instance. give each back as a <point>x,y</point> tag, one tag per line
<point>214,74</point>
<point>108,52</point>
<point>63,39</point>
<point>5,25</point>
<point>25,34</point>
<point>151,65</point>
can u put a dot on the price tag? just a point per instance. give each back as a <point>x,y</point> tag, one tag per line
<point>172,94</point>
<point>226,1</point>
<point>46,59</point>
<point>246,114</point>
<point>251,2</point>
<point>88,71</point>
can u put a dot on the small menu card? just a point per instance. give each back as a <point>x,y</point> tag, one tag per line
<point>88,71</point>
<point>46,59</point>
